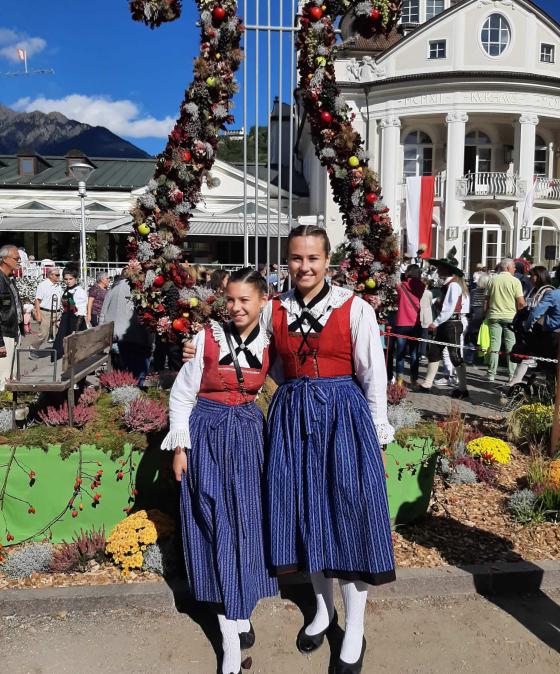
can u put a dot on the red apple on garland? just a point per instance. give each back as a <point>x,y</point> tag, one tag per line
<point>326,117</point>
<point>186,155</point>
<point>375,14</point>
<point>159,281</point>
<point>371,198</point>
<point>316,13</point>
<point>219,13</point>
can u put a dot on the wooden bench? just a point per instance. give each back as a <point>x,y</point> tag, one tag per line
<point>84,353</point>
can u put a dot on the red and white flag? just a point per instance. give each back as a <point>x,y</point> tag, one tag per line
<point>22,54</point>
<point>419,210</point>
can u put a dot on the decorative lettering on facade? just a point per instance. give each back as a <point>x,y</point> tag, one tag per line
<point>481,98</point>
<point>366,70</point>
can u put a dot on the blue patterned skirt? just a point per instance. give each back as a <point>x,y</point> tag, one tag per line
<point>222,506</point>
<point>327,496</point>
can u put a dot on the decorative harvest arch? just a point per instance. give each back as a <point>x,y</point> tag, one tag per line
<point>163,289</point>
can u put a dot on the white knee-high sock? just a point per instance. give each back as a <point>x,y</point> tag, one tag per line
<point>323,588</point>
<point>243,626</point>
<point>354,596</point>
<point>230,643</point>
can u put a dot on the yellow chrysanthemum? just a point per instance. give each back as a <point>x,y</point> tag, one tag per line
<point>491,448</point>
<point>129,538</point>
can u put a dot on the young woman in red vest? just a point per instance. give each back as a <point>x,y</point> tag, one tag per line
<point>327,500</point>
<point>216,432</point>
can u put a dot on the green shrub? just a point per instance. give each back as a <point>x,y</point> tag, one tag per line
<point>522,506</point>
<point>530,425</point>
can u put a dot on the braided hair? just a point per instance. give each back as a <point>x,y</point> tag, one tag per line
<point>250,275</point>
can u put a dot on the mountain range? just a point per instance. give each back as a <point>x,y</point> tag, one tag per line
<point>54,134</point>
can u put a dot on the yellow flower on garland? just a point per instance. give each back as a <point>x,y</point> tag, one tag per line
<point>490,448</point>
<point>129,538</point>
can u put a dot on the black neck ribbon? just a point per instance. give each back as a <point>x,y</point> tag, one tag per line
<point>241,346</point>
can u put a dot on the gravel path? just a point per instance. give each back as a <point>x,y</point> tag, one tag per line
<point>467,634</point>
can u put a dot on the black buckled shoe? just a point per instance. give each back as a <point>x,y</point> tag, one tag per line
<point>307,643</point>
<point>247,639</point>
<point>342,667</point>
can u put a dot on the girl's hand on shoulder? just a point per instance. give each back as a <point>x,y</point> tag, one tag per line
<point>189,351</point>
<point>179,463</point>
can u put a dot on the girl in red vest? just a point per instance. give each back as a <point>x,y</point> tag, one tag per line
<point>327,500</point>
<point>216,432</point>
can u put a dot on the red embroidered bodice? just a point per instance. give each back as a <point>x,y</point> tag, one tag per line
<point>219,382</point>
<point>329,353</point>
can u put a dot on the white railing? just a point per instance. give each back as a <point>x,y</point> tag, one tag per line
<point>491,184</point>
<point>439,186</point>
<point>547,189</point>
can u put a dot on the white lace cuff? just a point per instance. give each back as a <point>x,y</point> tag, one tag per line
<point>385,432</point>
<point>177,437</point>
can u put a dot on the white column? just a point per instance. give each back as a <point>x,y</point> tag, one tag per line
<point>525,155</point>
<point>390,146</point>
<point>456,124</point>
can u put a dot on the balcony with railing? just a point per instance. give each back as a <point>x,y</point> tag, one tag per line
<point>439,187</point>
<point>547,189</point>
<point>491,184</point>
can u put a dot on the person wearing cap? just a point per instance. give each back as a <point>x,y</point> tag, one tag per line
<point>47,304</point>
<point>448,326</point>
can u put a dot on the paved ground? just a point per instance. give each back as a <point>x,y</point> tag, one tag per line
<point>439,636</point>
<point>485,399</point>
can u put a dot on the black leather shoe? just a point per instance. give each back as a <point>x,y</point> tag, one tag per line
<point>308,643</point>
<point>247,639</point>
<point>460,395</point>
<point>342,667</point>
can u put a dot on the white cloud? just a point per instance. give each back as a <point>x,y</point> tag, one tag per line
<point>122,117</point>
<point>10,40</point>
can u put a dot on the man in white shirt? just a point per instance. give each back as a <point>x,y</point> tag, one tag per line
<point>448,326</point>
<point>47,304</point>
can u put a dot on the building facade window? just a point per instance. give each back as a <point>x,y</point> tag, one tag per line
<point>545,241</point>
<point>541,152</point>
<point>437,49</point>
<point>547,53</point>
<point>418,154</point>
<point>433,8</point>
<point>411,11</point>
<point>478,153</point>
<point>495,35</point>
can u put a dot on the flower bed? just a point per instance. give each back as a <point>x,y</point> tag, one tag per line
<point>56,480</point>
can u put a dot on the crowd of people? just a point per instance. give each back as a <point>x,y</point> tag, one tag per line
<point>512,310</point>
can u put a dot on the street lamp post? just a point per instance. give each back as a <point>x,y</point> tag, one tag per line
<point>81,172</point>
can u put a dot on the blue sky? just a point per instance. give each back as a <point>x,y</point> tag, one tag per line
<point>112,71</point>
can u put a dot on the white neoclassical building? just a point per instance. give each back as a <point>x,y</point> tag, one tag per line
<point>467,91</point>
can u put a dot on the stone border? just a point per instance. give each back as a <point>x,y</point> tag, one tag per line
<point>501,578</point>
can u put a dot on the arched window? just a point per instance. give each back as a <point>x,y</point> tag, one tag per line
<point>495,35</point>
<point>545,241</point>
<point>541,152</point>
<point>418,154</point>
<point>411,11</point>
